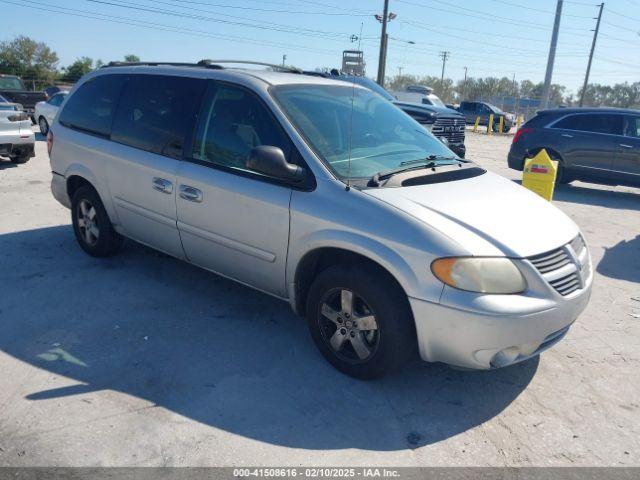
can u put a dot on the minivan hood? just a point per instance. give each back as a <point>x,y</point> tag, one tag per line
<point>485,215</point>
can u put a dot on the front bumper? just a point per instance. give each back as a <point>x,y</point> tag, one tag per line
<point>490,331</point>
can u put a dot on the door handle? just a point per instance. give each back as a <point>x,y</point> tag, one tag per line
<point>162,185</point>
<point>624,145</point>
<point>566,135</point>
<point>190,193</point>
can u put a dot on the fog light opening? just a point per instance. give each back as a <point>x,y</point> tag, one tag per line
<point>505,357</point>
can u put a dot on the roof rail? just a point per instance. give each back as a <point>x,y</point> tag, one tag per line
<point>201,63</point>
<point>279,68</point>
<point>215,64</point>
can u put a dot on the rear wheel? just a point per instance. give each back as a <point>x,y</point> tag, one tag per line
<point>22,158</point>
<point>44,125</point>
<point>360,321</point>
<point>91,224</point>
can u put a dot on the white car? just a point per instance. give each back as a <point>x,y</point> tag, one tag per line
<point>46,111</point>
<point>16,137</point>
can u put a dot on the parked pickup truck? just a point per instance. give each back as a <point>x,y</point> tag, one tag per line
<point>12,88</point>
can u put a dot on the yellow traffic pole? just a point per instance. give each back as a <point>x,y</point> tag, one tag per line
<point>475,125</point>
<point>501,126</point>
<point>490,125</point>
<point>518,122</point>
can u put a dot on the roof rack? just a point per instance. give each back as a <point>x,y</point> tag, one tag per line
<point>201,63</point>
<point>214,64</point>
<point>279,68</point>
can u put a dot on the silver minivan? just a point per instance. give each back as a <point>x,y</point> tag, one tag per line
<point>327,196</point>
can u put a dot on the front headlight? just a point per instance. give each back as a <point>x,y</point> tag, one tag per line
<point>482,275</point>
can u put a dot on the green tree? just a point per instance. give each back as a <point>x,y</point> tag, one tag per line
<point>77,69</point>
<point>131,58</point>
<point>34,61</point>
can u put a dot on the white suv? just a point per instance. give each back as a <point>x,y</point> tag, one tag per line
<point>327,196</point>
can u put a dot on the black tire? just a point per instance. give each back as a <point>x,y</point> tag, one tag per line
<point>375,294</point>
<point>562,178</point>
<point>44,126</point>
<point>20,158</point>
<point>107,241</point>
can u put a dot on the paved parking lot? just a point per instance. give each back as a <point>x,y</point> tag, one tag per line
<point>144,360</point>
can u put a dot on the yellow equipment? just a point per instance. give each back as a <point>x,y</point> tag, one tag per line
<point>539,174</point>
<point>475,125</point>
<point>490,125</point>
<point>501,126</point>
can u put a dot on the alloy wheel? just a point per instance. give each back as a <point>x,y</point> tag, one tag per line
<point>88,222</point>
<point>348,326</point>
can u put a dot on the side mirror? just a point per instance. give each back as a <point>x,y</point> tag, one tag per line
<point>270,161</point>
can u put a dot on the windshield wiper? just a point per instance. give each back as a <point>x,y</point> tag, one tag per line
<point>411,165</point>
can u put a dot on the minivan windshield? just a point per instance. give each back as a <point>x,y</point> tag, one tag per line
<point>384,138</point>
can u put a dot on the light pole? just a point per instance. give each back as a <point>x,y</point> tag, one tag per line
<point>593,47</point>
<point>552,56</point>
<point>382,61</point>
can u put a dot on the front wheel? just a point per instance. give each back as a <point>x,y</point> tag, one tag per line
<point>360,321</point>
<point>91,224</point>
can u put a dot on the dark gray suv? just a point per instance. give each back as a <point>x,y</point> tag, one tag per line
<point>600,145</point>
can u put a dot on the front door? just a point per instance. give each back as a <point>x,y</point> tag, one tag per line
<point>232,220</point>
<point>588,142</point>
<point>626,165</point>
<point>153,116</point>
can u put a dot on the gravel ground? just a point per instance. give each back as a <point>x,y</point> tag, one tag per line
<point>143,360</point>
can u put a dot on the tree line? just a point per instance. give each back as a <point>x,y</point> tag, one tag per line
<point>622,95</point>
<point>38,65</point>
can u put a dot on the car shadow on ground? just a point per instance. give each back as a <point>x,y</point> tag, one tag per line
<point>622,261</point>
<point>219,353</point>
<point>6,163</point>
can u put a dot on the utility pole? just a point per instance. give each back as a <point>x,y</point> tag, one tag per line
<point>552,56</point>
<point>383,43</point>
<point>444,56</point>
<point>464,85</point>
<point>593,47</point>
<point>400,71</point>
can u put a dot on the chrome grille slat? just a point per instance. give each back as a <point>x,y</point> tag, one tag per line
<point>441,124</point>
<point>560,267</point>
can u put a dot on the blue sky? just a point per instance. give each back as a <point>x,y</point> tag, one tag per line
<point>489,37</point>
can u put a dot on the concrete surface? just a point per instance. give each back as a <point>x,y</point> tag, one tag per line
<point>143,360</point>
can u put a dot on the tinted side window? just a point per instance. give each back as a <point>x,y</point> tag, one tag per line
<point>155,113</point>
<point>632,126</point>
<point>92,106</point>
<point>56,100</point>
<point>232,122</point>
<point>597,123</point>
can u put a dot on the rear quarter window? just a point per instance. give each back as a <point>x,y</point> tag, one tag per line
<point>91,108</point>
<point>595,123</point>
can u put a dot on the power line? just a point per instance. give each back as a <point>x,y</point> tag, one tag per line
<point>158,26</point>
<point>258,9</point>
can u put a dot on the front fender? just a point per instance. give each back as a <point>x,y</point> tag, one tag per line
<point>376,251</point>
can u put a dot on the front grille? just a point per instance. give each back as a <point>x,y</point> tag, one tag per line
<point>565,268</point>
<point>548,262</point>
<point>566,285</point>
<point>452,129</point>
